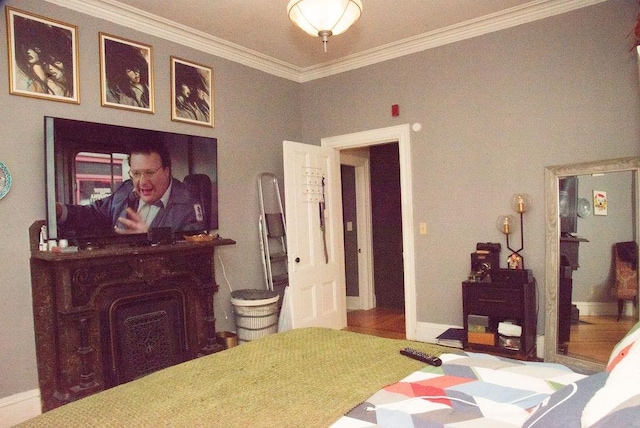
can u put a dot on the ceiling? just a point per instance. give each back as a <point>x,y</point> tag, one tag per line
<point>258,33</point>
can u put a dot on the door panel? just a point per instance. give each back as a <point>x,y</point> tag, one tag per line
<point>317,295</point>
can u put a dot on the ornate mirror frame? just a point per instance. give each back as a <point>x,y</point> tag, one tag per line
<point>552,233</point>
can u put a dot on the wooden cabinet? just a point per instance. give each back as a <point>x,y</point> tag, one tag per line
<point>493,303</point>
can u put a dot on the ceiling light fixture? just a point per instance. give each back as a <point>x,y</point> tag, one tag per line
<point>324,18</point>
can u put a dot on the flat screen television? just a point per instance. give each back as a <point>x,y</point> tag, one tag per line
<point>85,161</point>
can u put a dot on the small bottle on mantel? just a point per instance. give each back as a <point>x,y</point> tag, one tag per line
<point>43,238</point>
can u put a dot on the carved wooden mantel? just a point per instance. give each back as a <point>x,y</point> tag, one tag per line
<point>85,303</point>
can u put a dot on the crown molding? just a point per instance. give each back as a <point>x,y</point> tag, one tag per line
<point>118,13</point>
<point>532,11</point>
<point>139,20</point>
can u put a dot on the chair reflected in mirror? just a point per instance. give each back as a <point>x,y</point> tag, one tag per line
<point>626,273</point>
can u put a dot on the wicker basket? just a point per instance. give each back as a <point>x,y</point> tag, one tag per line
<point>256,313</point>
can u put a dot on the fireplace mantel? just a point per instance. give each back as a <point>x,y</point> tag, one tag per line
<point>106,316</point>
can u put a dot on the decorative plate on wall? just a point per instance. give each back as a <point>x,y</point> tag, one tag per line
<point>5,180</point>
<point>584,207</point>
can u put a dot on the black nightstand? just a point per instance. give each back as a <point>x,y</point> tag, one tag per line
<point>511,298</point>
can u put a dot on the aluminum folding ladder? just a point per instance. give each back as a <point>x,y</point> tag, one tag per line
<point>273,229</point>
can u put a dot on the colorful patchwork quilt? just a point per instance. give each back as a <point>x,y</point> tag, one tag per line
<point>468,389</point>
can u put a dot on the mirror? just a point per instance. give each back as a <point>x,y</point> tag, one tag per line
<point>580,240</point>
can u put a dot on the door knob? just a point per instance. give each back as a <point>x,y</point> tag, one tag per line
<point>297,260</point>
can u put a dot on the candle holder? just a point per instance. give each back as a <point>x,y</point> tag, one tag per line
<point>507,225</point>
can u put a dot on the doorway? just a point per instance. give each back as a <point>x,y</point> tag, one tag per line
<point>358,245</point>
<point>400,135</point>
<point>386,222</point>
<point>372,174</point>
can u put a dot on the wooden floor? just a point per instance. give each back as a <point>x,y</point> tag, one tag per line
<point>592,338</point>
<point>377,322</point>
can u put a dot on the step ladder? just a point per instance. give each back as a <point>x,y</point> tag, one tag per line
<point>273,229</point>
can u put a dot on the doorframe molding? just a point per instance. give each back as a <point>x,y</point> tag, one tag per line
<point>402,135</point>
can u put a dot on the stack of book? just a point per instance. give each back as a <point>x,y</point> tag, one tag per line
<point>452,337</point>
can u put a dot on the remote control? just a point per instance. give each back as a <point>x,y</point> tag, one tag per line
<point>421,356</point>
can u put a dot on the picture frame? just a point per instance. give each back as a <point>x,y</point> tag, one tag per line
<point>126,74</point>
<point>599,202</point>
<point>191,92</point>
<point>43,57</point>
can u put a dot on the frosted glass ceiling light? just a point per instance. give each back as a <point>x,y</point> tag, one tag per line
<point>324,18</point>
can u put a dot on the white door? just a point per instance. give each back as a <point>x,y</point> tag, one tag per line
<point>360,160</point>
<point>316,292</point>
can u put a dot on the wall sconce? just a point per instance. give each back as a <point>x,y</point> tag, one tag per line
<point>506,224</point>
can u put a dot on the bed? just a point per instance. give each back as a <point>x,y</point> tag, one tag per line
<point>315,377</point>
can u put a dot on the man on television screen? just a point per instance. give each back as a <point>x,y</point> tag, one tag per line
<point>151,198</point>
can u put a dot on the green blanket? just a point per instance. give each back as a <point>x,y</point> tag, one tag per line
<point>305,377</point>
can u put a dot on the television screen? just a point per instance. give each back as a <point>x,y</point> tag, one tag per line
<point>87,165</point>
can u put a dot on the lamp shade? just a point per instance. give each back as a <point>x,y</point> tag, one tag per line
<point>506,224</point>
<point>323,18</point>
<point>520,202</point>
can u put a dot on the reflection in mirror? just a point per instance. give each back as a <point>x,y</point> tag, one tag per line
<point>581,316</point>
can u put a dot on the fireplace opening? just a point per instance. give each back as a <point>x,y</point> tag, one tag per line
<point>145,332</point>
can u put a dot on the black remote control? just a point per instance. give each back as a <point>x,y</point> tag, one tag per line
<point>421,356</point>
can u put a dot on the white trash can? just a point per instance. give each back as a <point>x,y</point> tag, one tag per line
<point>256,313</point>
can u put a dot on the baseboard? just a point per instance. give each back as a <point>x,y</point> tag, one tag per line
<point>429,332</point>
<point>353,303</point>
<point>605,308</point>
<point>19,408</point>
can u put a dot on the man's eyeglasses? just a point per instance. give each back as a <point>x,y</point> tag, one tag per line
<point>148,173</point>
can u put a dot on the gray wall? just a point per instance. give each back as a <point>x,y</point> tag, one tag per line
<point>254,113</point>
<point>495,110</point>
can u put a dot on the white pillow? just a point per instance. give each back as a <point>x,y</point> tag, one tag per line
<point>623,383</point>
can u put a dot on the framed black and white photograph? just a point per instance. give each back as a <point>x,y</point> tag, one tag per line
<point>126,74</point>
<point>191,92</point>
<point>43,57</point>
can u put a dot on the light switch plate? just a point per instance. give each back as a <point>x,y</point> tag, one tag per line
<point>423,228</point>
